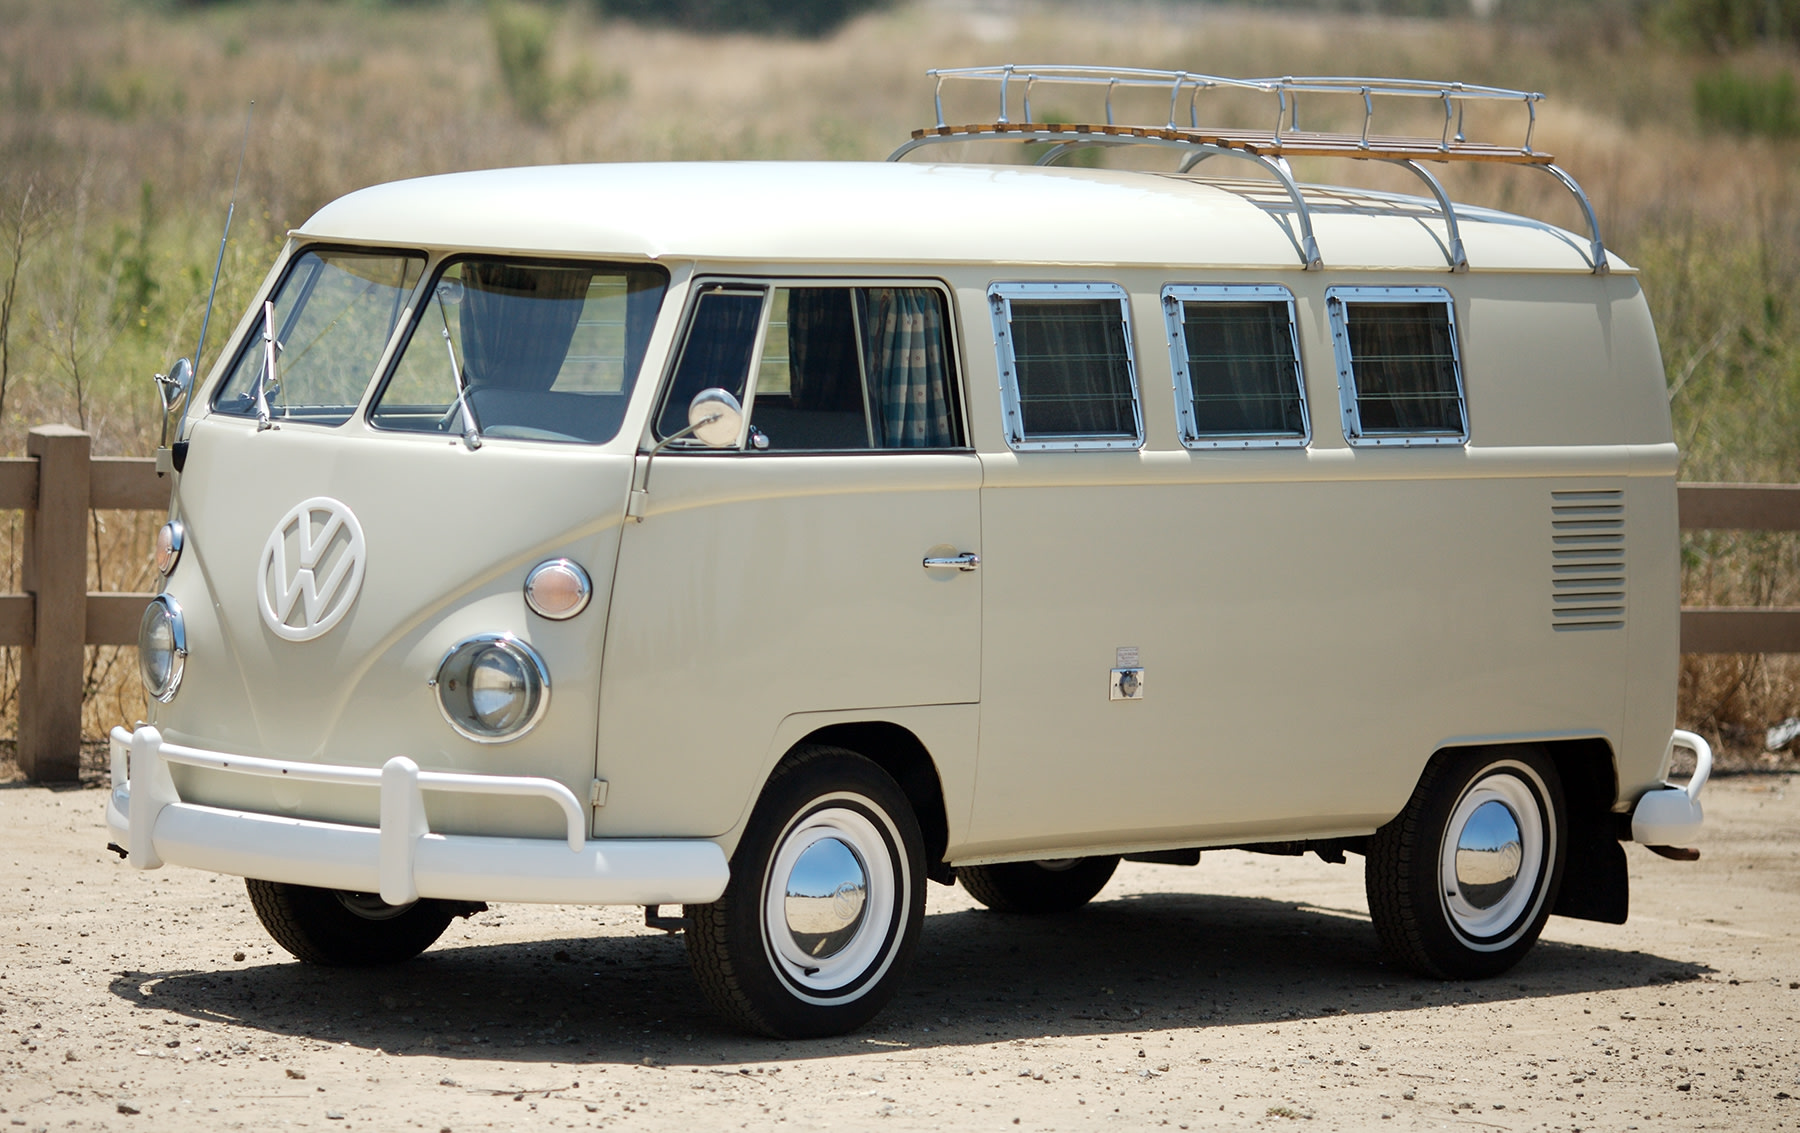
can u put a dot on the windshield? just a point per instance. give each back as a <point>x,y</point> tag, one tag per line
<point>334,314</point>
<point>527,350</point>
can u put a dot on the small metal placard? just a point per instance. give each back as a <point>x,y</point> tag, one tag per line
<point>1127,674</point>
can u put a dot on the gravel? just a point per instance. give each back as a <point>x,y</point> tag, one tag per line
<point>1248,991</point>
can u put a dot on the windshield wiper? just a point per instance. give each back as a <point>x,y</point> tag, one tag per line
<point>267,377</point>
<point>471,427</point>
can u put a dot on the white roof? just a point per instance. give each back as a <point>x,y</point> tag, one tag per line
<point>916,213</point>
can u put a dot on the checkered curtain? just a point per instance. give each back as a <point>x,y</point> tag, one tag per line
<point>903,336</point>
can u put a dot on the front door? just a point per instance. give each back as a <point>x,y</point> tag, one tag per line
<point>787,574</point>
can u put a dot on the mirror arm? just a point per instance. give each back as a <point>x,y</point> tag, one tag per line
<point>162,386</point>
<point>173,389</point>
<point>640,488</point>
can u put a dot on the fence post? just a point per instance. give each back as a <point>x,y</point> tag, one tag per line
<point>55,575</point>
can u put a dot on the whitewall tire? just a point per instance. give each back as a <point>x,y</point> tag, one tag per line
<point>1461,882</point>
<point>822,914</point>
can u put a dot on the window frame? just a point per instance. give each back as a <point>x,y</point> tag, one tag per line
<point>1174,298</point>
<point>252,339</point>
<point>1337,301</point>
<point>769,285</point>
<point>1000,298</point>
<point>698,289</point>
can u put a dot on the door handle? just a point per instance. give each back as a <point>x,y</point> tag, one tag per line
<point>966,561</point>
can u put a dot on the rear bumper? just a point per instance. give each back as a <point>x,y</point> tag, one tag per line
<point>402,859</point>
<point>1671,816</point>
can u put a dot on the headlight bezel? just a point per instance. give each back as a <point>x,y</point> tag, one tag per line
<point>451,681</point>
<point>178,647</point>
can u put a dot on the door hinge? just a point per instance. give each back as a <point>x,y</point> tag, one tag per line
<point>597,793</point>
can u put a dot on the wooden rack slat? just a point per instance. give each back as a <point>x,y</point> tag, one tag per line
<point>1263,143</point>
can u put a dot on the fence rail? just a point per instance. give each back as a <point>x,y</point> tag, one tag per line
<point>59,481</point>
<point>1740,507</point>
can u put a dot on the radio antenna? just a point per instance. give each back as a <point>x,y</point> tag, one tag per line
<point>217,266</point>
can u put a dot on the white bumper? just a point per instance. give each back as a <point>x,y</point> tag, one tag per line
<point>401,860</point>
<point>1671,816</point>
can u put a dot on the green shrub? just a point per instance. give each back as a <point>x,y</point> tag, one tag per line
<point>522,40</point>
<point>1730,100</point>
<point>812,18</point>
<point>1724,24</point>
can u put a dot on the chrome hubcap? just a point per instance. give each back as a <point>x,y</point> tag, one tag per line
<point>832,900</point>
<point>1495,856</point>
<point>827,893</point>
<point>1488,855</point>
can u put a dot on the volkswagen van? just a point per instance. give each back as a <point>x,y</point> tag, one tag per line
<point>769,539</point>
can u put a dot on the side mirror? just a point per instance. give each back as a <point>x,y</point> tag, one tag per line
<point>174,387</point>
<point>715,418</point>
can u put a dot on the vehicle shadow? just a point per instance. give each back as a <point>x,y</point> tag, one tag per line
<point>1132,965</point>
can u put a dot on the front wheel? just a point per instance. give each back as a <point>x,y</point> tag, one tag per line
<point>347,930</point>
<point>1461,881</point>
<point>823,910</point>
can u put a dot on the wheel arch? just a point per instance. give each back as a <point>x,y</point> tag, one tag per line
<point>896,750</point>
<point>1589,772</point>
<point>1586,765</point>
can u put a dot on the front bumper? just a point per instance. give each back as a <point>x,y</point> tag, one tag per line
<point>402,859</point>
<point>1671,816</point>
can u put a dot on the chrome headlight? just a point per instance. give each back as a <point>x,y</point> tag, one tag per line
<point>493,687</point>
<point>162,647</point>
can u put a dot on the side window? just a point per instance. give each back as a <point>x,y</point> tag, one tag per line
<point>839,368</point>
<point>1067,376</point>
<point>1236,359</point>
<point>720,343</point>
<point>1399,373</point>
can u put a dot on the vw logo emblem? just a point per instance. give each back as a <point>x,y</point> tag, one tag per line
<point>847,901</point>
<point>311,569</point>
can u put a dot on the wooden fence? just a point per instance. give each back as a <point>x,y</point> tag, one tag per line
<point>57,616</point>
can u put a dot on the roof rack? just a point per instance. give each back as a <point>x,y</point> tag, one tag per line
<point>1269,149</point>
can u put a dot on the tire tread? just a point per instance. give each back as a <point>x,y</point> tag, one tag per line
<point>1389,876</point>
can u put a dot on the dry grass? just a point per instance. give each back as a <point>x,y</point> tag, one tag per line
<point>124,120</point>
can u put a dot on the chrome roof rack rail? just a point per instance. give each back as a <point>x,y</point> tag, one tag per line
<point>1268,148</point>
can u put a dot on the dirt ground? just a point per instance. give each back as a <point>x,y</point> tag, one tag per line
<point>1248,991</point>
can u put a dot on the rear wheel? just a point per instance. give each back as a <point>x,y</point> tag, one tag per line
<point>344,929</point>
<point>1461,882</point>
<point>826,899</point>
<point>1053,886</point>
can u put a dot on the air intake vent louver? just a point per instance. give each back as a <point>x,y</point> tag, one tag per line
<point>1587,557</point>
